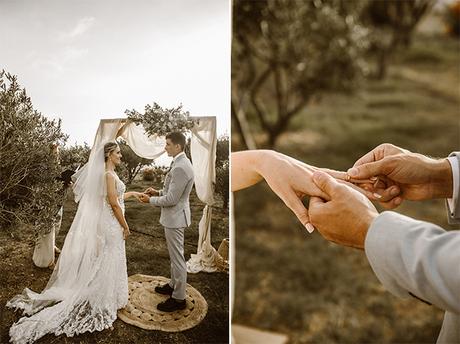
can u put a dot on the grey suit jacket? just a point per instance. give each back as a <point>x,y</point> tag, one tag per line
<point>419,259</point>
<point>174,198</point>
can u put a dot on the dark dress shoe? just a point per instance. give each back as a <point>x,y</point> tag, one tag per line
<point>164,289</point>
<point>171,305</point>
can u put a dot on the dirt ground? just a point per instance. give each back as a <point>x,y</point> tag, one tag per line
<point>146,254</point>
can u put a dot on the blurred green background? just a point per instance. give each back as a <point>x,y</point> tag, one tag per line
<point>298,284</point>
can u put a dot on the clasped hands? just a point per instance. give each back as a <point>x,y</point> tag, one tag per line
<point>340,202</point>
<point>144,197</point>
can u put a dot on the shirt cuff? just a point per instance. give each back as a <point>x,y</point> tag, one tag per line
<point>451,202</point>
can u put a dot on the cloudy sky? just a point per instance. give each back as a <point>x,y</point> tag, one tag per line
<point>86,60</point>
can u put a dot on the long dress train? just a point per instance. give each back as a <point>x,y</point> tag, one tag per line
<point>80,307</point>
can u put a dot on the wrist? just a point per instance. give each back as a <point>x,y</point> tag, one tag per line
<point>366,222</point>
<point>442,178</point>
<point>262,160</point>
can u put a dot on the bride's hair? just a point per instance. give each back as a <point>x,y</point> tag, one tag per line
<point>109,147</point>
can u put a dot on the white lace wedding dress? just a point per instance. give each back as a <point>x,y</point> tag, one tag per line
<point>92,285</point>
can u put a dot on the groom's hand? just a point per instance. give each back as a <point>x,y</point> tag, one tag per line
<point>406,175</point>
<point>346,218</point>
<point>152,192</point>
<point>144,198</point>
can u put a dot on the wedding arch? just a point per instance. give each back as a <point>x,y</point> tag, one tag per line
<point>203,153</point>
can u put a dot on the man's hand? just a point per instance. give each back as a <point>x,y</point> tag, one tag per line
<point>144,198</point>
<point>152,192</point>
<point>402,175</point>
<point>346,217</point>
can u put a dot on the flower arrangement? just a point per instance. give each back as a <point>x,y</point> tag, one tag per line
<point>161,121</point>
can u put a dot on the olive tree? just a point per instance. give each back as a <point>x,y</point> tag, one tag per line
<point>30,193</point>
<point>392,24</point>
<point>284,52</point>
<point>222,169</point>
<point>132,163</point>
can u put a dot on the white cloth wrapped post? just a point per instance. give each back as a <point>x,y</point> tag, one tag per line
<point>43,255</point>
<point>203,151</point>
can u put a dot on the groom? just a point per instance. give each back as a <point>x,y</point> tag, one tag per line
<point>175,217</point>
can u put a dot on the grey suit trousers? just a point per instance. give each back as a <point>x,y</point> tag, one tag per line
<point>175,242</point>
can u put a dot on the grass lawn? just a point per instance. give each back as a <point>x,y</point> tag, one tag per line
<point>146,254</point>
<point>291,282</point>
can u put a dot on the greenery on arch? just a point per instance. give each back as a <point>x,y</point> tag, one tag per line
<point>157,120</point>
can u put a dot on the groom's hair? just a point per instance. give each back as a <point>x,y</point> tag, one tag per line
<point>177,138</point>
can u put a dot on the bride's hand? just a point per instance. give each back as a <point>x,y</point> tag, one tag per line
<point>126,232</point>
<point>291,180</point>
<point>138,195</point>
<point>144,198</point>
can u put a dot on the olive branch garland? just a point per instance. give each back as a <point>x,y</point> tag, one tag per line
<point>161,121</point>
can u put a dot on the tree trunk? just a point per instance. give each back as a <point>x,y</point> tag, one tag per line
<point>243,128</point>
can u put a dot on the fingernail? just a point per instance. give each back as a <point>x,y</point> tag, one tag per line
<point>353,172</point>
<point>394,192</point>
<point>309,227</point>
<point>373,178</point>
<point>398,201</point>
<point>376,195</point>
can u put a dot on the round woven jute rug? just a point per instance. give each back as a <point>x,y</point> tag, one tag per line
<point>141,310</point>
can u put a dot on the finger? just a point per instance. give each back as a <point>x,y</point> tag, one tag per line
<point>297,207</point>
<point>366,158</point>
<point>378,153</point>
<point>326,183</point>
<point>315,202</point>
<point>394,203</point>
<point>369,170</point>
<point>314,207</point>
<point>388,194</point>
<point>336,174</point>
<point>363,189</point>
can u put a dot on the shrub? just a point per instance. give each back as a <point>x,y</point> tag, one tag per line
<point>222,182</point>
<point>74,156</point>
<point>222,169</point>
<point>154,174</point>
<point>131,163</point>
<point>30,194</point>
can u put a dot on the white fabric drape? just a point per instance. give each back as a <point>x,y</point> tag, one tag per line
<point>149,147</point>
<point>203,151</point>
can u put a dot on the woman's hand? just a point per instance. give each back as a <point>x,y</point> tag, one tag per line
<point>289,178</point>
<point>134,194</point>
<point>126,232</point>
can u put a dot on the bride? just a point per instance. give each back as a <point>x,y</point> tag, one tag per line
<point>90,282</point>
